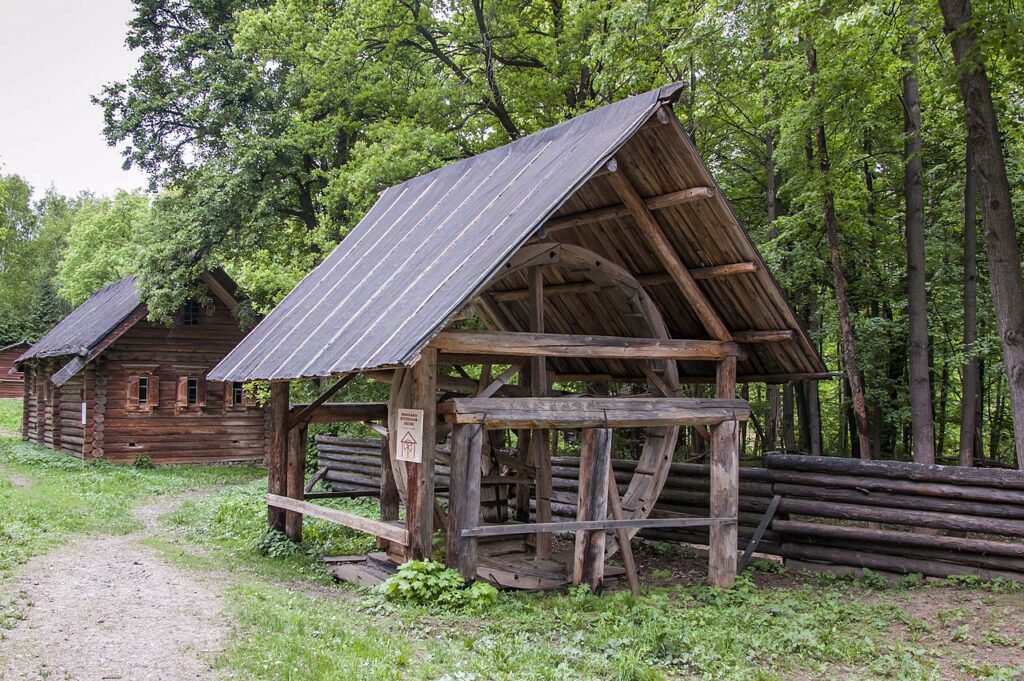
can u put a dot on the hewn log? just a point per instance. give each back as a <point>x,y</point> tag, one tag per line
<point>277,462</point>
<point>390,499</point>
<point>1005,479</point>
<point>295,476</point>
<point>798,529</point>
<point>569,345</point>
<point>419,513</point>
<point>464,503</point>
<point>592,504</point>
<point>902,516</point>
<point>574,526</point>
<point>539,456</point>
<point>621,535</point>
<point>724,485</point>
<point>931,489</point>
<point>934,503</point>
<point>622,210</point>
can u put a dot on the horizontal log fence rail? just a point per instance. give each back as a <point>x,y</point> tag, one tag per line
<point>832,513</point>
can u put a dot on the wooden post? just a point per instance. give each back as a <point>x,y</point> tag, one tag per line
<point>622,535</point>
<point>464,498</point>
<point>390,499</point>
<point>419,512</point>
<point>725,485</point>
<point>539,455</point>
<point>278,408</point>
<point>295,479</point>
<point>595,468</point>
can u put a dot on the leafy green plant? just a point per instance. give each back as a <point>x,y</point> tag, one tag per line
<point>427,582</point>
<point>143,461</point>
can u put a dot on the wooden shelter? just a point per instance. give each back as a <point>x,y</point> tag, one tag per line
<point>10,378</point>
<point>106,382</point>
<point>598,253</point>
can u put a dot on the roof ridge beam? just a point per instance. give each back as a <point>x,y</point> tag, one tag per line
<point>652,231</point>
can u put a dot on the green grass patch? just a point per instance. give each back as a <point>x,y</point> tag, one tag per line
<point>46,496</point>
<point>10,415</point>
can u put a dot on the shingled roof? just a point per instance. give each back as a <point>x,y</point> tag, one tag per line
<point>89,323</point>
<point>433,243</point>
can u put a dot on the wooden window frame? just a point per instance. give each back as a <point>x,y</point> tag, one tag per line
<point>134,374</point>
<point>184,375</point>
<point>187,310</point>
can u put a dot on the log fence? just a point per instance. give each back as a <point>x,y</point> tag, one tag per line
<point>831,513</point>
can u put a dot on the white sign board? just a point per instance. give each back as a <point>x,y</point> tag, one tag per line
<point>409,443</point>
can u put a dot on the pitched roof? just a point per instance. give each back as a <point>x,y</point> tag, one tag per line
<point>89,323</point>
<point>433,243</point>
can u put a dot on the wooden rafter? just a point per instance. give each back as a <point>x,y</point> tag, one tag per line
<point>669,258</point>
<point>297,417</point>
<point>623,210</point>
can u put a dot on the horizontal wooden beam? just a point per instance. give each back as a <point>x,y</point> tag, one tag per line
<point>300,417</point>
<point>775,336</point>
<point>577,525</point>
<point>656,279</point>
<point>356,522</point>
<point>457,384</point>
<point>337,412</point>
<point>582,412</point>
<point>568,345</point>
<point>619,211</point>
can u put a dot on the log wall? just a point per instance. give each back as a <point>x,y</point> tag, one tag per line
<point>835,513</point>
<point>11,384</point>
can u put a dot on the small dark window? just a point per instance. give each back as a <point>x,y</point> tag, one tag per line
<point>191,314</point>
<point>143,391</point>
<point>193,391</point>
<point>237,394</point>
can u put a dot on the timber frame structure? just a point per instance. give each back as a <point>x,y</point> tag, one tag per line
<point>599,255</point>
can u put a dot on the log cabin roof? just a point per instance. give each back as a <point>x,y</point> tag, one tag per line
<point>89,323</point>
<point>435,243</point>
<point>12,346</point>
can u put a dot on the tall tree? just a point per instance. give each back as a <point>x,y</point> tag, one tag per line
<point>971,381</point>
<point>917,295</point>
<point>1001,245</point>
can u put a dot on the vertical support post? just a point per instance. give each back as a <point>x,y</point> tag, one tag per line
<point>295,478</point>
<point>464,498</point>
<point>389,497</point>
<point>539,454</point>
<point>725,485</point>
<point>595,467</point>
<point>278,450</point>
<point>419,513</point>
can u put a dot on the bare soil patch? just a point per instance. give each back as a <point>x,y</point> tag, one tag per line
<point>107,607</point>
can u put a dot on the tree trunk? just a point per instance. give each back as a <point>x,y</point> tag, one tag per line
<point>832,232</point>
<point>917,296</point>
<point>996,209</point>
<point>969,403</point>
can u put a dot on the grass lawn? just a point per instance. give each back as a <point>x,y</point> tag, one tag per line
<point>10,416</point>
<point>291,622</point>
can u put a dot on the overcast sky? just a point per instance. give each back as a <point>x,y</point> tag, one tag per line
<point>54,54</point>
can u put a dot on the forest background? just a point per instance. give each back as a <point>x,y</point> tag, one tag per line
<point>836,130</point>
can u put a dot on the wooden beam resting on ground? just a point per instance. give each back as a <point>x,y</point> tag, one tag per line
<point>572,345</point>
<point>351,520</point>
<point>622,210</point>
<point>464,507</point>
<point>591,525</point>
<point>582,412</point>
<point>723,540</point>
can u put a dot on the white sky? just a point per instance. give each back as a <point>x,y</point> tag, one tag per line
<point>54,54</point>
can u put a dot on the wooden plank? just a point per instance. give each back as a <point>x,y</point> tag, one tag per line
<point>560,412</point>
<point>388,531</point>
<point>725,492</point>
<point>776,336</point>
<point>539,456</point>
<point>277,462</point>
<point>575,525</point>
<point>622,210</point>
<point>621,535</point>
<point>299,415</point>
<point>464,506</point>
<point>663,249</point>
<point>759,533</point>
<point>295,474</point>
<point>570,345</point>
<point>419,512</point>
<point>592,505</point>
<point>656,279</point>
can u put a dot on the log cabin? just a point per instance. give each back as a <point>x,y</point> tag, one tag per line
<point>607,271</point>
<point>10,378</point>
<point>107,382</point>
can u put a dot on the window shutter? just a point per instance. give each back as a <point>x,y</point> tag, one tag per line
<point>228,393</point>
<point>153,400</point>
<point>182,391</point>
<point>201,391</point>
<point>133,392</point>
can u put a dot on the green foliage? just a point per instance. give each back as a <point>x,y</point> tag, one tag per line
<point>430,583</point>
<point>10,416</point>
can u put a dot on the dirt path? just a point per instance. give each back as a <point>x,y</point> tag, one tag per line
<point>108,608</point>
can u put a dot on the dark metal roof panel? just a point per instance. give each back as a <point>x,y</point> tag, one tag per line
<point>89,323</point>
<point>425,247</point>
